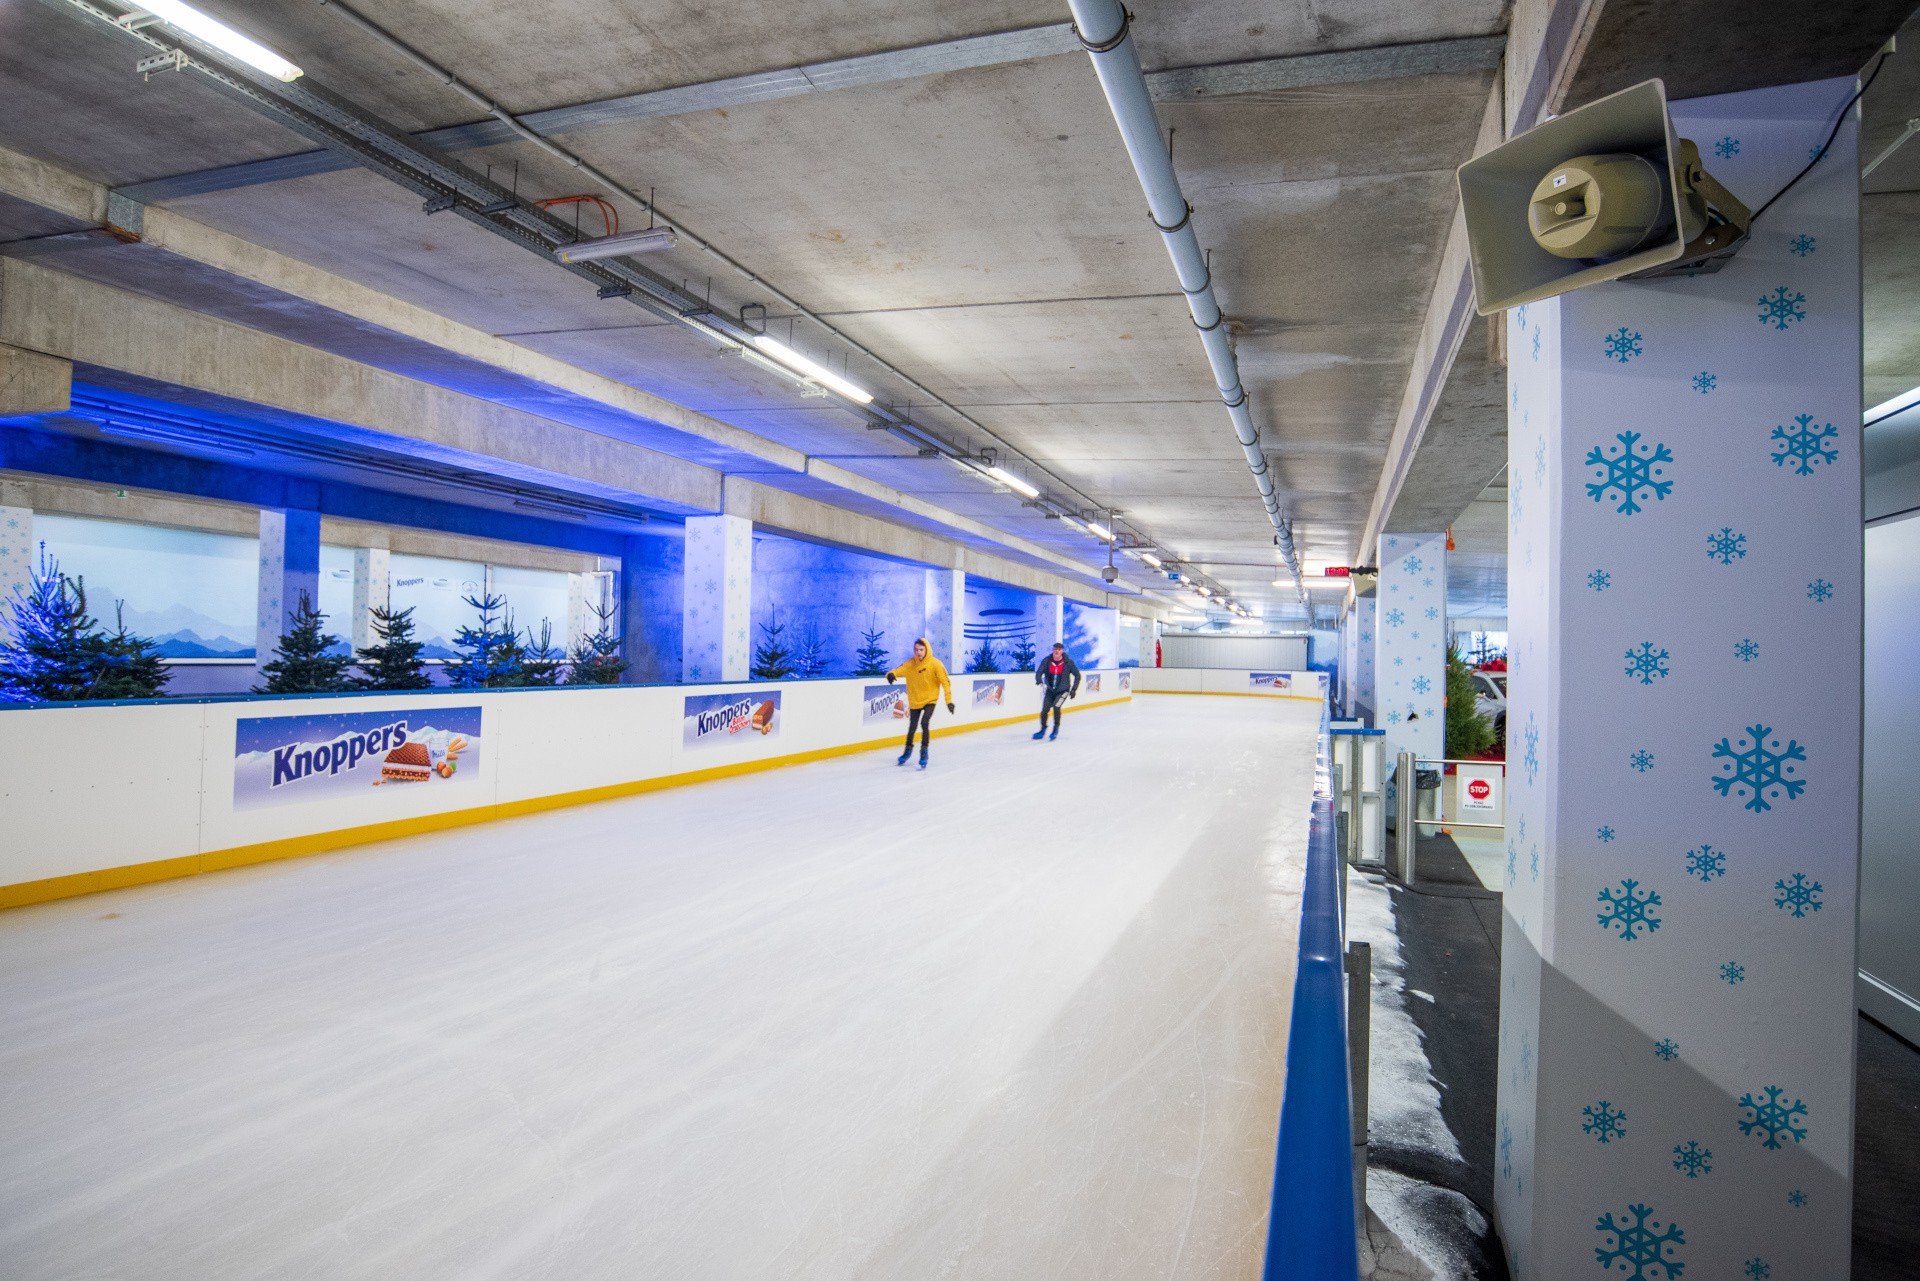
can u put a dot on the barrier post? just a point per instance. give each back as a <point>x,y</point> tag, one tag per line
<point>1359,1061</point>
<point>1406,793</point>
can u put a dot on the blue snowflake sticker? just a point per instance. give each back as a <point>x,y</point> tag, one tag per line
<point>1802,245</point>
<point>1693,1160</point>
<point>1647,664</point>
<point>1733,972</point>
<point>1668,1049</point>
<point>1421,684</point>
<point>1726,546</point>
<point>1801,446</point>
<point>1706,863</point>
<point>1628,909</point>
<point>1642,761</point>
<point>1727,148</point>
<point>1605,834</point>
<point>1819,590</point>
<point>1623,344</point>
<point>1704,382</point>
<point>1762,772</point>
<point>1799,895</point>
<point>1746,650</point>
<point>1599,580</point>
<point>1773,1119</point>
<point>1629,473</point>
<point>1395,618</point>
<point>1780,308</point>
<point>1797,1199</point>
<point>1531,758</point>
<point>1638,1247</point>
<point>1757,1269</point>
<point>1603,1123</point>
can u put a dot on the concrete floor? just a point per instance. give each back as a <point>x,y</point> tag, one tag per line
<point>1023,1015</point>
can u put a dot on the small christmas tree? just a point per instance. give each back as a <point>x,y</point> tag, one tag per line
<point>984,659</point>
<point>302,662</point>
<point>871,658</point>
<point>810,659</point>
<point>596,658</point>
<point>490,655</point>
<point>1025,657</point>
<point>543,662</point>
<point>394,661</point>
<point>131,667</point>
<point>1467,734</point>
<point>772,660</point>
<point>51,652</point>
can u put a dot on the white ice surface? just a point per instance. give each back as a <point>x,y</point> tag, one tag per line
<point>1021,1016</point>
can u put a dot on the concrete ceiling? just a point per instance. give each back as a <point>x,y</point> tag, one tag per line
<point>980,229</point>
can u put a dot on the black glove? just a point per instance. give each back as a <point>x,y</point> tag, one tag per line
<point>950,710</point>
<point>890,678</point>
<point>1073,693</point>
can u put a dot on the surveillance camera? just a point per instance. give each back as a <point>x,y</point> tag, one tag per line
<point>1111,574</point>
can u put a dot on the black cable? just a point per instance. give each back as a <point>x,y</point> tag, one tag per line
<point>1840,120</point>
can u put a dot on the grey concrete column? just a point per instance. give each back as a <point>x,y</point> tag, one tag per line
<point>650,586</point>
<point>289,567</point>
<point>31,383</point>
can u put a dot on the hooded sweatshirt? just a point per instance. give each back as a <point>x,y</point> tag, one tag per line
<point>926,679</point>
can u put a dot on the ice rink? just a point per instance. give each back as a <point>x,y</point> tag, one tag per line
<point>1021,1016</point>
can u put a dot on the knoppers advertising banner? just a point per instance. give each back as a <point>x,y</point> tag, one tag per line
<point>1126,681</point>
<point>712,719</point>
<point>1091,683</point>
<point>989,693</point>
<point>1270,680</point>
<point>880,704</point>
<point>283,760</point>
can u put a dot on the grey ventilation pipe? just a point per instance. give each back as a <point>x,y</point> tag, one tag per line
<point>1103,28</point>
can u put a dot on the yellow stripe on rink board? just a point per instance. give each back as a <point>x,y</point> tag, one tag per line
<point>1235,693</point>
<point>167,869</point>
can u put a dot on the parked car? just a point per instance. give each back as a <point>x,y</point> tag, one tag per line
<point>1490,691</point>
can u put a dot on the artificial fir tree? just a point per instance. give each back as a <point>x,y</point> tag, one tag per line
<point>393,662</point>
<point>51,651</point>
<point>490,655</point>
<point>1468,733</point>
<point>303,662</point>
<point>543,662</point>
<point>871,658</point>
<point>596,658</point>
<point>1025,657</point>
<point>772,660</point>
<point>130,665</point>
<point>984,659</point>
<point>810,659</point>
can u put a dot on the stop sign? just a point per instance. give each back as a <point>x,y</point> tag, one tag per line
<point>1479,789</point>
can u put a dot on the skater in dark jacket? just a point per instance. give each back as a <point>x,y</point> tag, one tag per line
<point>1059,679</point>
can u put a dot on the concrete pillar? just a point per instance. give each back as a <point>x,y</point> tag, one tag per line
<point>717,602</point>
<point>1049,617</point>
<point>289,566</point>
<point>1410,644</point>
<point>1677,1021</point>
<point>372,589</point>
<point>19,556</point>
<point>946,614</point>
<point>651,583</point>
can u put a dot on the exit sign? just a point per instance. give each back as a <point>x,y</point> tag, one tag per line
<point>1338,571</point>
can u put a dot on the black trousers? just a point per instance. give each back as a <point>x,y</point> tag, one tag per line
<point>920,718</point>
<point>1054,701</point>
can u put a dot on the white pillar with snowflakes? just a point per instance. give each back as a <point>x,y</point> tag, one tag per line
<point>1676,1039</point>
<point>289,569</point>
<point>717,605</point>
<point>1359,682</point>
<point>1410,645</point>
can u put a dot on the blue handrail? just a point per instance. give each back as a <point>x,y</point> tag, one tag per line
<point>1311,1226</point>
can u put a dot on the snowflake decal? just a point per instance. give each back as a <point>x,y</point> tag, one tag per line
<point>1531,759</point>
<point>1421,684</point>
<point>1819,590</point>
<point>1603,1123</point>
<point>1704,382</point>
<point>1726,546</point>
<point>1801,446</point>
<point>1639,1248</point>
<point>1540,459</point>
<point>1706,863</point>
<point>1780,308</point>
<point>1761,770</point>
<point>1642,761</point>
<point>1599,580</point>
<point>1727,148</point>
<point>1802,245</point>
<point>1393,718</point>
<point>1797,1199</point>
<point>1395,618</point>
<point>1693,1160</point>
<point>1536,344</point>
<point>1534,861</point>
<point>1646,664</point>
<point>1746,650</point>
<point>1733,972</point>
<point>1506,1148</point>
<point>1513,863</point>
<point>1623,344</point>
<point>1668,1050</point>
<point>1757,1269</point>
<point>1799,895</point>
<point>1413,564</point>
<point>1772,1119</point>
<point>1628,909</point>
<point>1605,833</point>
<point>1629,473</point>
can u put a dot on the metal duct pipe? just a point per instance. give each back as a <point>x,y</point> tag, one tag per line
<point>1104,31</point>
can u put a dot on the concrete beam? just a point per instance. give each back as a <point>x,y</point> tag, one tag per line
<point>31,383</point>
<point>1346,66</point>
<point>967,52</point>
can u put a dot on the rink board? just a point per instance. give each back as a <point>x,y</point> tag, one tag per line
<point>1311,686</point>
<point>100,796</point>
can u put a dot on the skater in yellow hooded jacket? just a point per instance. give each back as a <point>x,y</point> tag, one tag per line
<point>927,680</point>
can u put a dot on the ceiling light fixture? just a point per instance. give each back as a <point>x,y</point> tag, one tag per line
<point>1013,482</point>
<point>210,30</point>
<point>650,240</point>
<point>811,369</point>
<point>1099,531</point>
<point>1071,523</point>
<point>1152,560</point>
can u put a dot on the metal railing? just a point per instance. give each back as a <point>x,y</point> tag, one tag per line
<point>1407,824</point>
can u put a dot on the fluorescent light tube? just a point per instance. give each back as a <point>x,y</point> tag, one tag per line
<point>651,240</point>
<point>1100,532</point>
<point>1071,523</point>
<point>211,30</point>
<point>811,369</point>
<point>1013,482</point>
<point>1151,559</point>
